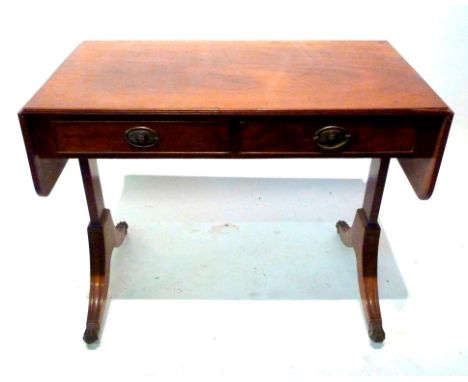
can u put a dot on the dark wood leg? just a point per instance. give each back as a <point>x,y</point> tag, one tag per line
<point>103,237</point>
<point>363,236</point>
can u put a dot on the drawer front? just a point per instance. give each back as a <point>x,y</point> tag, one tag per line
<point>335,137</point>
<point>366,136</point>
<point>115,137</point>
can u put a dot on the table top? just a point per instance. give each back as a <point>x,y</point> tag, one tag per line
<point>234,77</point>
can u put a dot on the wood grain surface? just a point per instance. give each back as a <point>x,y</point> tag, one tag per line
<point>235,77</point>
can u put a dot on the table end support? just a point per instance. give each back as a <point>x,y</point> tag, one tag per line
<point>363,236</point>
<point>103,238</point>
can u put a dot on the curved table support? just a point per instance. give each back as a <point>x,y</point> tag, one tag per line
<point>103,238</point>
<point>364,236</point>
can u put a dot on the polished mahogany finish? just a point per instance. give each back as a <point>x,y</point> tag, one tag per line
<point>279,137</point>
<point>220,77</point>
<point>364,236</point>
<point>103,237</point>
<point>180,99</point>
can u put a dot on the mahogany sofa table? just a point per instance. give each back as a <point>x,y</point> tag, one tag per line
<point>311,99</point>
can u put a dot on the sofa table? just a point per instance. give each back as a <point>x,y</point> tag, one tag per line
<point>309,99</point>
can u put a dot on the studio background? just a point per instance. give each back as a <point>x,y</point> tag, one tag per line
<point>232,322</point>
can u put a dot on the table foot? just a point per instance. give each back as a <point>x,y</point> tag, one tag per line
<point>344,231</point>
<point>363,236</point>
<point>120,232</point>
<point>376,332</point>
<point>91,333</point>
<point>103,238</point>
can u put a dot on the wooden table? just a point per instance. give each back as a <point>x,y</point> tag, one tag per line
<point>332,99</point>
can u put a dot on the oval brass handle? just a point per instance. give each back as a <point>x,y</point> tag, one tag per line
<point>331,138</point>
<point>141,137</point>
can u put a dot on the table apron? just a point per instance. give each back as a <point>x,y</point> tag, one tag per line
<point>390,136</point>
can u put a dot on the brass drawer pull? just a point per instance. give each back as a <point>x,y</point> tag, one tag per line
<point>331,138</point>
<point>141,137</point>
